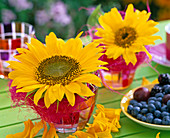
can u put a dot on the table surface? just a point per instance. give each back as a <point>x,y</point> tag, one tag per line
<point>11,119</point>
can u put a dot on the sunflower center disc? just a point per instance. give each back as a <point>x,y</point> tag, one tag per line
<point>57,70</point>
<point>125,37</point>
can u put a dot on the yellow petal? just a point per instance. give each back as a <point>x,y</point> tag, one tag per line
<point>52,95</point>
<point>81,134</point>
<point>18,80</point>
<point>89,78</point>
<point>79,35</point>
<point>27,83</point>
<point>42,52</point>
<point>71,136</point>
<point>70,97</point>
<point>51,133</point>
<point>30,88</point>
<point>46,99</point>
<point>85,91</point>
<point>51,43</point>
<point>157,135</point>
<point>26,133</point>
<point>145,81</point>
<point>73,87</point>
<point>39,93</point>
<point>36,128</point>
<point>155,81</point>
<point>45,130</point>
<point>58,91</point>
<point>92,69</point>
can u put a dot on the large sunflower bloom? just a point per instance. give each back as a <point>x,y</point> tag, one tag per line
<point>57,69</point>
<point>126,36</point>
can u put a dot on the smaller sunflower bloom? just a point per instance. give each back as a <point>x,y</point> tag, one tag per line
<point>56,70</point>
<point>128,36</point>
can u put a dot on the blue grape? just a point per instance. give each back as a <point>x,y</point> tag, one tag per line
<point>157,113</point>
<point>144,111</point>
<point>143,118</point>
<point>149,118</point>
<point>132,102</point>
<point>129,109</point>
<point>151,108</point>
<point>152,98</point>
<point>157,121</point>
<point>164,108</point>
<point>135,111</point>
<point>157,105</point>
<point>168,104</point>
<point>166,120</point>
<point>159,99</point>
<point>137,105</point>
<point>164,114</point>
<point>149,114</point>
<point>139,116</point>
<point>159,95</point>
<point>151,102</point>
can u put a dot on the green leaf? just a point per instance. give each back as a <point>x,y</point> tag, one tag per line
<point>93,18</point>
<point>28,93</point>
<point>57,105</point>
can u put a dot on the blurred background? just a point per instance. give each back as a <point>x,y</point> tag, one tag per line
<point>67,17</point>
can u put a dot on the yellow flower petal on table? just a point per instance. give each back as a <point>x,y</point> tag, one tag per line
<point>51,133</point>
<point>112,114</point>
<point>36,128</point>
<point>26,133</point>
<point>102,125</point>
<point>45,130</point>
<point>81,134</point>
<point>61,66</point>
<point>155,81</point>
<point>32,130</point>
<point>71,136</point>
<point>157,135</point>
<point>146,82</point>
<point>104,134</point>
<point>126,33</point>
<point>109,112</point>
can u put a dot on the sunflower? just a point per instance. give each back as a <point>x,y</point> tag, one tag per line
<point>126,37</point>
<point>56,70</point>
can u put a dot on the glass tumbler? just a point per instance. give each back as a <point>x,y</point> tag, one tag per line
<point>12,36</point>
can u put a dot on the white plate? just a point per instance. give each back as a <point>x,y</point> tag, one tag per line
<point>125,102</point>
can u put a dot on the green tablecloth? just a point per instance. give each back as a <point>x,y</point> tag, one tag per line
<point>11,119</point>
